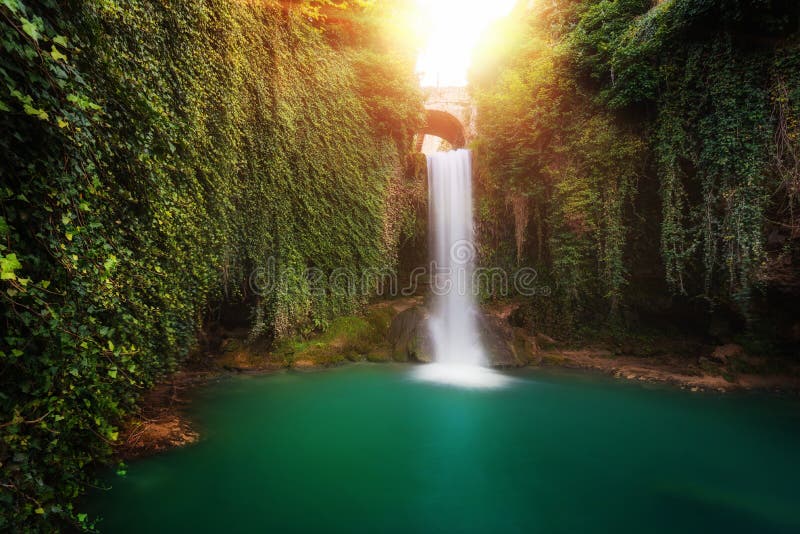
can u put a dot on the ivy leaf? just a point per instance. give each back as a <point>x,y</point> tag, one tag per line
<point>110,263</point>
<point>60,39</point>
<point>56,54</point>
<point>82,102</point>
<point>33,32</point>
<point>30,110</point>
<point>12,5</point>
<point>8,265</point>
<point>23,99</point>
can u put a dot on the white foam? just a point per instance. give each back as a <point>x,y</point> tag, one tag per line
<point>464,376</point>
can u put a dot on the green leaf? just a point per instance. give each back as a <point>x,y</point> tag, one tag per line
<point>33,32</point>
<point>12,5</point>
<point>60,39</point>
<point>8,265</point>
<point>110,263</point>
<point>112,373</point>
<point>36,112</point>
<point>56,54</point>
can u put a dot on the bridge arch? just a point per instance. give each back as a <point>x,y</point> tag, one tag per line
<point>450,115</point>
<point>444,125</point>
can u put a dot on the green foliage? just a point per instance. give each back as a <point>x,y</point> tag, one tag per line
<point>346,338</point>
<point>595,100</point>
<point>153,156</point>
<point>709,69</point>
<point>567,166</point>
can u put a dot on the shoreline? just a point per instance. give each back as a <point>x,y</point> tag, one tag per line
<point>162,423</point>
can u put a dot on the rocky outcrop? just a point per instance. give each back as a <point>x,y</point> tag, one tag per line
<point>506,346</point>
<point>409,337</point>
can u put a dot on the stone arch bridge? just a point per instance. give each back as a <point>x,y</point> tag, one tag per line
<point>449,114</point>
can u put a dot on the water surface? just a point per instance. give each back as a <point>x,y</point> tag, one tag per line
<point>366,448</point>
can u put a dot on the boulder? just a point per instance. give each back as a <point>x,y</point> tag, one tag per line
<point>500,342</point>
<point>409,337</point>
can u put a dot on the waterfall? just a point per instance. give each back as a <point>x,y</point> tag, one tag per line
<point>458,352</point>
<point>453,321</point>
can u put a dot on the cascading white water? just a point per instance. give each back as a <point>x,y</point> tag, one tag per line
<point>453,319</point>
<point>458,352</point>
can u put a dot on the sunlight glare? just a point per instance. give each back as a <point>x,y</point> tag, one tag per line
<point>453,28</point>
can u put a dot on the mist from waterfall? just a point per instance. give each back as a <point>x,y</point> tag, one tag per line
<point>459,355</point>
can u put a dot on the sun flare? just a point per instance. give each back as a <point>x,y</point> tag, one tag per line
<point>453,28</point>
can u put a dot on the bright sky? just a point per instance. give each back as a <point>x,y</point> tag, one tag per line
<point>453,29</point>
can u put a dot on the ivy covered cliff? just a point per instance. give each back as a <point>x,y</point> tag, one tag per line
<point>154,155</point>
<point>649,154</point>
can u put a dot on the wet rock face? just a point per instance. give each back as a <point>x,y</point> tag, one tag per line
<point>409,337</point>
<point>501,343</point>
<point>505,345</point>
